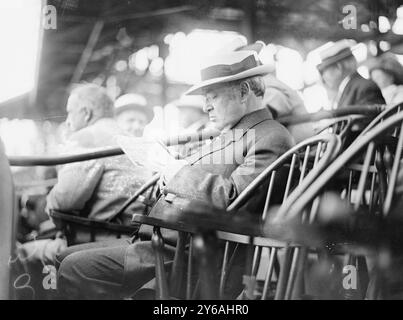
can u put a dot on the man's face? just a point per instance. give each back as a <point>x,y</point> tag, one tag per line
<point>133,122</point>
<point>224,107</point>
<point>332,76</point>
<point>77,115</point>
<point>381,78</point>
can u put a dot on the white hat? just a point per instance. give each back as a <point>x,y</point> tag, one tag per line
<point>233,45</point>
<point>229,67</point>
<point>133,101</point>
<point>338,51</point>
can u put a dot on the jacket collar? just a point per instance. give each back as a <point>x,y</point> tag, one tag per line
<point>234,134</point>
<point>252,119</point>
<point>347,87</point>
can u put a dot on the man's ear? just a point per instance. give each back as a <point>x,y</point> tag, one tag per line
<point>87,114</point>
<point>245,90</point>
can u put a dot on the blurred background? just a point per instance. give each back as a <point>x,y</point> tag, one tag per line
<point>155,48</point>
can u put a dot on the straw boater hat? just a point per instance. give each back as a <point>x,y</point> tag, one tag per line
<point>337,52</point>
<point>228,67</point>
<point>132,101</point>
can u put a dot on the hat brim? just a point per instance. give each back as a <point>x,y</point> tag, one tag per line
<point>256,71</point>
<point>333,60</point>
<point>145,109</point>
<point>257,47</point>
<point>189,106</point>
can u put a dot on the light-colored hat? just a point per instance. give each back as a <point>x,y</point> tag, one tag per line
<point>228,67</point>
<point>257,46</point>
<point>337,52</point>
<point>196,102</point>
<point>240,43</point>
<point>133,101</point>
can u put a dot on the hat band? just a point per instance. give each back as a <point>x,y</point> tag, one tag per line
<point>345,53</point>
<point>225,70</point>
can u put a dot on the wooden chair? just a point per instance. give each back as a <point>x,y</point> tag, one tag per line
<point>372,171</point>
<point>72,225</point>
<point>301,169</point>
<point>388,112</point>
<point>78,229</point>
<point>375,170</point>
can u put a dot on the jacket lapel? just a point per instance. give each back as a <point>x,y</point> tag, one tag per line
<point>234,134</point>
<point>346,94</point>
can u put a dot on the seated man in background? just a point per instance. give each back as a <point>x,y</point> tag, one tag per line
<point>94,188</point>
<point>338,70</point>
<point>345,86</point>
<point>132,113</point>
<point>217,173</point>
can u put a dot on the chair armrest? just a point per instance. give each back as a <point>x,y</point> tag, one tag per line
<point>91,223</point>
<point>200,217</point>
<point>164,222</point>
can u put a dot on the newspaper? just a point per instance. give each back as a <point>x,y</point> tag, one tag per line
<point>146,152</point>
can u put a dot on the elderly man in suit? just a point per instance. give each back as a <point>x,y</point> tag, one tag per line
<point>338,70</point>
<point>94,188</point>
<point>217,173</point>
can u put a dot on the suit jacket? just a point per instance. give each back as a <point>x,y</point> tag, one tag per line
<point>96,188</point>
<point>360,91</point>
<point>221,170</point>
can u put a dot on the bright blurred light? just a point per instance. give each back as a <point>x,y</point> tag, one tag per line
<point>363,71</point>
<point>384,24</point>
<point>156,67</point>
<point>112,87</point>
<point>139,61</point>
<point>313,57</point>
<point>360,52</point>
<point>121,65</point>
<point>384,45</point>
<point>398,25</point>
<point>399,58</point>
<point>315,98</point>
<point>268,53</point>
<point>372,48</point>
<point>310,72</point>
<point>187,52</point>
<point>289,67</point>
<point>21,137</point>
<point>365,28</point>
<point>153,52</point>
<point>168,38</point>
<point>20,22</point>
